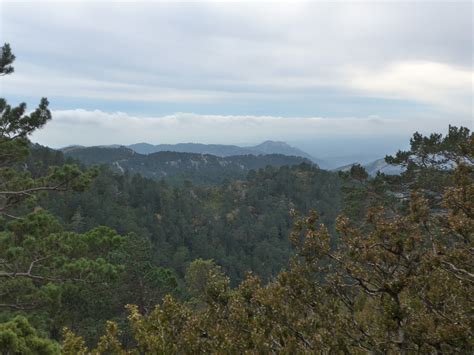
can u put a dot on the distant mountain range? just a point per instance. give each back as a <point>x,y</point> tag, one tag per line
<point>238,159</point>
<point>222,150</point>
<point>199,168</point>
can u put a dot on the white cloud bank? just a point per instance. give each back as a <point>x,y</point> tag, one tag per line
<point>97,127</point>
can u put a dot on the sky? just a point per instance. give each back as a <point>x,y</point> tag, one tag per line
<point>338,79</point>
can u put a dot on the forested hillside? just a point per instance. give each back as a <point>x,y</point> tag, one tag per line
<point>398,278</point>
<point>286,259</point>
<point>177,167</point>
<point>243,224</point>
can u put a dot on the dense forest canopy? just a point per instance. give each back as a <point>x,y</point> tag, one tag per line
<point>290,259</point>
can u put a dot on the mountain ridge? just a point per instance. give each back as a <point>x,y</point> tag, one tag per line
<point>226,150</point>
<point>197,167</point>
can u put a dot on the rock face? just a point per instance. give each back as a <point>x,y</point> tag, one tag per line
<point>378,165</point>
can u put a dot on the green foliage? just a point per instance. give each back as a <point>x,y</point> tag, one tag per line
<point>436,150</point>
<point>17,336</point>
<point>39,260</point>
<point>50,274</point>
<point>142,282</point>
<point>430,163</point>
<point>202,277</point>
<point>16,183</point>
<point>6,60</point>
<point>36,256</point>
<point>242,225</point>
<point>399,281</point>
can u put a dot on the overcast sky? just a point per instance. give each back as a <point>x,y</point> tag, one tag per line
<point>334,78</point>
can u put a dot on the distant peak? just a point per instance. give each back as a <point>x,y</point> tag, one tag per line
<point>275,143</point>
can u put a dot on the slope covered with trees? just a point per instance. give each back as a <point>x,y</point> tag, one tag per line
<point>400,280</point>
<point>177,167</point>
<point>243,224</point>
<point>385,265</point>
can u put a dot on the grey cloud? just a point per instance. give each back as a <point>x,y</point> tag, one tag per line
<point>214,52</point>
<point>200,40</point>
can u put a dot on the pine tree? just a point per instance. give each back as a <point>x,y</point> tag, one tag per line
<point>39,260</point>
